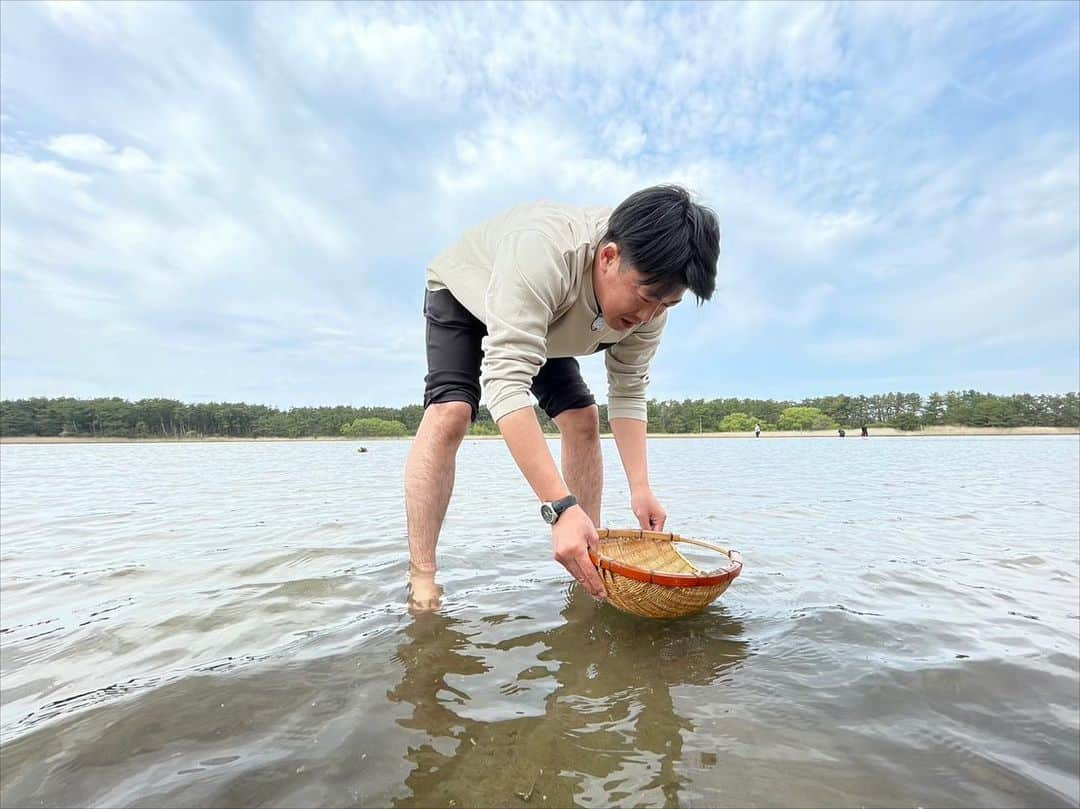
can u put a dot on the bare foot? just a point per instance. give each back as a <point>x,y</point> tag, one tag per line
<point>425,594</point>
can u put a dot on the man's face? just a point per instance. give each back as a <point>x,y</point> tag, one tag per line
<point>624,298</point>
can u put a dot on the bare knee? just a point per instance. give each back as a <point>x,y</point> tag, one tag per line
<point>448,422</point>
<point>580,425</point>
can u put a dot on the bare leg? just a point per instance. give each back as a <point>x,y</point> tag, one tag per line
<point>429,478</point>
<point>582,459</point>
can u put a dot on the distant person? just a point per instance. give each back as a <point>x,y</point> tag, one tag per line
<point>508,308</point>
<point>757,431</point>
<point>841,431</point>
<point>865,432</point>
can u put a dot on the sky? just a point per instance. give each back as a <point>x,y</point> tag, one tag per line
<point>236,202</point>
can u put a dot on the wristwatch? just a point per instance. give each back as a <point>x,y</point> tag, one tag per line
<point>552,511</point>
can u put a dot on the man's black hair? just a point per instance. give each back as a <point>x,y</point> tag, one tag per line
<point>672,240</point>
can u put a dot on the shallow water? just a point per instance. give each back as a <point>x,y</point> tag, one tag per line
<point>227,624</point>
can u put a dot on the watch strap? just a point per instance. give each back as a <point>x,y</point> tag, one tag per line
<point>562,505</point>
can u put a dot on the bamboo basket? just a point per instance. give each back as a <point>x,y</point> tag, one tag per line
<point>645,574</point>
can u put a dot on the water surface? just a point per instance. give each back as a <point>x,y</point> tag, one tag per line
<point>227,624</point>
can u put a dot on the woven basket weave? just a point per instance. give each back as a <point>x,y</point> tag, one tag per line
<point>645,574</point>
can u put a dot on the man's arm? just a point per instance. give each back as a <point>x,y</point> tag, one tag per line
<point>628,364</point>
<point>528,283</point>
<point>523,436</point>
<point>630,439</point>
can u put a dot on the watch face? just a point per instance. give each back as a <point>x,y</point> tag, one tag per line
<point>548,513</point>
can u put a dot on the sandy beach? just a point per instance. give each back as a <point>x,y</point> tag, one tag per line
<point>875,432</point>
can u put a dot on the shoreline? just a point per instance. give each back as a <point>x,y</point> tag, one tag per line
<point>878,432</point>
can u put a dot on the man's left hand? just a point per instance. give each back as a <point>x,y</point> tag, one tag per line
<point>650,514</point>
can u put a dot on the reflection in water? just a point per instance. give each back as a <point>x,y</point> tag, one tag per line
<point>168,651</point>
<point>609,728</point>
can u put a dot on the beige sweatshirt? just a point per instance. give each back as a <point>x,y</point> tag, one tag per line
<point>527,275</point>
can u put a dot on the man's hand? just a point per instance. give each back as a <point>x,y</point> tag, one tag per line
<point>572,536</point>
<point>650,514</point>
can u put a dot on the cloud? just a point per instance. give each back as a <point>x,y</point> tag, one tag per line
<point>92,150</point>
<point>626,138</point>
<point>268,182</point>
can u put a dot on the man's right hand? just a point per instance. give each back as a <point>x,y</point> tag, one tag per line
<point>572,536</point>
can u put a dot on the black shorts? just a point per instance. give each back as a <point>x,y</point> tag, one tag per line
<point>454,352</point>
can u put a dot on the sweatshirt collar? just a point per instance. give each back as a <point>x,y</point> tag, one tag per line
<point>600,228</point>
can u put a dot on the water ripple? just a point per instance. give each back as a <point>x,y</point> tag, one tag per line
<point>227,624</point>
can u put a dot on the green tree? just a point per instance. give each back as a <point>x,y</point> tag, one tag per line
<point>174,419</point>
<point>906,421</point>
<point>934,411</point>
<point>737,423</point>
<point>373,427</point>
<point>805,418</point>
<point>484,428</point>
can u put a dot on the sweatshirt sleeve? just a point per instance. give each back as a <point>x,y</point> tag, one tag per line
<point>529,281</point>
<point>628,364</point>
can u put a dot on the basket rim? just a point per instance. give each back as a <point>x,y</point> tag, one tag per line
<point>711,579</point>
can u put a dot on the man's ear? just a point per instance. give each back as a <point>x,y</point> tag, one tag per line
<point>609,255</point>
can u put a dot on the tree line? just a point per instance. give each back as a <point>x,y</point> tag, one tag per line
<point>168,418</point>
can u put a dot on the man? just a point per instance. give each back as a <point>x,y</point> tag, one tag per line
<point>512,304</point>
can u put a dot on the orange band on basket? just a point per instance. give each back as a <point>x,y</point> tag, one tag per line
<point>670,579</point>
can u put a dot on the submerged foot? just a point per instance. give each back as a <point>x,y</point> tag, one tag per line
<point>425,594</point>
